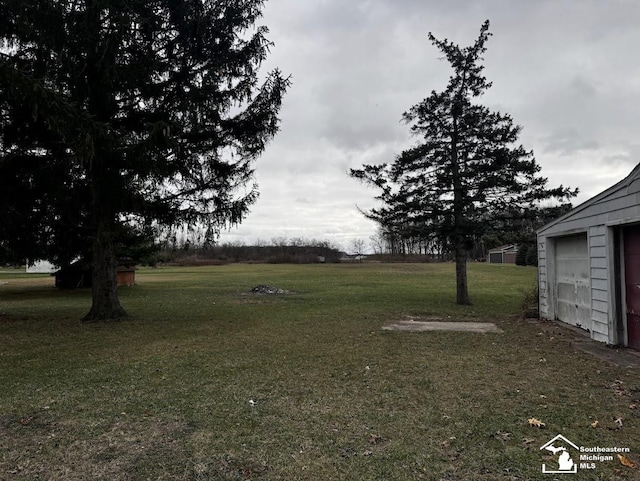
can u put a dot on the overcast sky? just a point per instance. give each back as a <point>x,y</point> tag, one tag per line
<point>567,71</point>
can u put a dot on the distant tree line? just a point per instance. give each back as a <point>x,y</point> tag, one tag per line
<point>411,238</point>
<point>190,250</point>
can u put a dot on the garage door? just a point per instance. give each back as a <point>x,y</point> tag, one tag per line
<point>495,258</point>
<point>573,300</point>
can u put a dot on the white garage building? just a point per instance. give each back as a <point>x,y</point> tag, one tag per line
<point>589,265</point>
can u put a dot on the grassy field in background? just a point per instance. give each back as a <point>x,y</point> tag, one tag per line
<point>209,382</point>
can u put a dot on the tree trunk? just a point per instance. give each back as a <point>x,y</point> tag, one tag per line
<point>462,289</point>
<point>104,283</point>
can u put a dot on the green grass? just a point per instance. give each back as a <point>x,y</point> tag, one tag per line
<point>165,395</point>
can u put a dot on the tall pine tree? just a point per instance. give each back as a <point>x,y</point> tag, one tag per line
<point>118,115</point>
<point>466,169</point>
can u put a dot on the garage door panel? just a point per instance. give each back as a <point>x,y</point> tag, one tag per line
<point>564,310</point>
<point>572,246</point>
<point>572,269</point>
<point>573,293</point>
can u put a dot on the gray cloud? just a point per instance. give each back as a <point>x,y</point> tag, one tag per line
<point>568,141</point>
<point>568,72</point>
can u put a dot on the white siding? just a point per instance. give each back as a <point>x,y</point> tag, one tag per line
<point>599,274</point>
<point>599,285</point>
<point>542,278</point>
<point>600,317</point>
<point>598,294</point>
<point>600,306</point>
<point>596,336</point>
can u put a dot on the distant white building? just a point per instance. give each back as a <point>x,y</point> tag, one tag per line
<point>41,267</point>
<point>589,265</point>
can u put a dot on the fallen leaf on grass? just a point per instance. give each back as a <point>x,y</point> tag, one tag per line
<point>536,423</point>
<point>502,436</point>
<point>625,461</point>
<point>633,406</point>
<point>26,421</point>
<point>618,387</point>
<point>447,442</point>
<point>618,422</point>
<point>375,439</point>
<point>594,424</point>
<point>526,441</point>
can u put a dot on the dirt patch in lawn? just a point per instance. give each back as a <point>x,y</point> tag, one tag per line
<point>125,447</point>
<point>262,294</point>
<point>268,290</point>
<point>432,324</point>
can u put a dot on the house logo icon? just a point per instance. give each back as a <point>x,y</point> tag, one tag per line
<point>560,446</point>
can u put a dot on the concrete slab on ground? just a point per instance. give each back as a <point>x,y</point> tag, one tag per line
<point>460,326</point>
<point>620,356</point>
<point>579,339</point>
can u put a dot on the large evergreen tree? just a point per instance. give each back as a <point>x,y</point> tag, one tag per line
<point>467,168</point>
<point>117,115</point>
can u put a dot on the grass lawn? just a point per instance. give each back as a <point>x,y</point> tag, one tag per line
<point>207,382</point>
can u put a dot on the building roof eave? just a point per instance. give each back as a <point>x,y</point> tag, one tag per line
<point>633,175</point>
